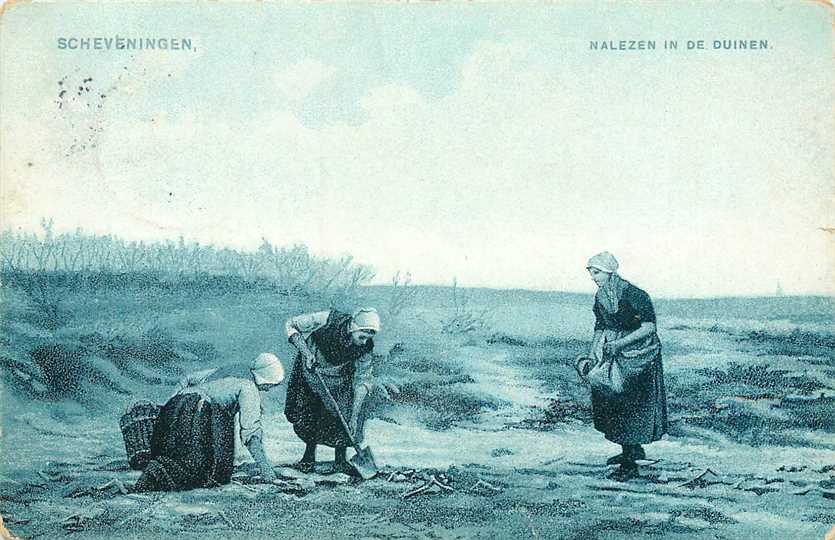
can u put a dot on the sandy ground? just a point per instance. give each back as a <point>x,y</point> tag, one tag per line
<point>504,472</point>
<point>506,481</point>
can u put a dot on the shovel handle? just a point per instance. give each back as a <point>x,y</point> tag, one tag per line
<point>338,412</point>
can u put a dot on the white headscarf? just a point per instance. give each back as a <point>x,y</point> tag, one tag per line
<point>365,319</point>
<point>610,293</point>
<point>267,369</point>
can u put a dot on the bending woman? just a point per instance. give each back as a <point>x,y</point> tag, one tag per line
<point>193,444</point>
<point>339,347</point>
<point>625,329</point>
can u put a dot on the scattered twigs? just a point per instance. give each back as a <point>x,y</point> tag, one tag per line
<point>81,520</point>
<point>48,477</point>
<point>115,482</point>
<point>486,485</point>
<point>417,491</point>
<point>409,475</point>
<point>433,482</point>
<point>699,480</point>
<point>246,487</point>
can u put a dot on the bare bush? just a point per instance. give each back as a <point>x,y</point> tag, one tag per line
<point>464,319</point>
<point>402,294</point>
<point>291,269</point>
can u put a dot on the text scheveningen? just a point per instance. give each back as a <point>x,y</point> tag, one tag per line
<point>119,43</point>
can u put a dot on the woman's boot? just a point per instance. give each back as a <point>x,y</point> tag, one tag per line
<point>620,458</point>
<point>636,452</point>
<point>308,459</point>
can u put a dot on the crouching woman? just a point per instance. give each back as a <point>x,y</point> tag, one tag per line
<point>338,347</point>
<point>625,330</point>
<point>193,443</point>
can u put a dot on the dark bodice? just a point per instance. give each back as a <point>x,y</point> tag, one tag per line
<point>334,343</point>
<point>634,308</point>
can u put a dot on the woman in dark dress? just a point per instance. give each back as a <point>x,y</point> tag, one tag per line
<point>625,330</point>
<point>338,346</point>
<point>193,443</point>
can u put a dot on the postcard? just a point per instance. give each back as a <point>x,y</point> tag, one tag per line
<point>417,270</point>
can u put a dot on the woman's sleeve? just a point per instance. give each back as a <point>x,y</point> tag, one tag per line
<point>306,323</point>
<point>598,319</point>
<point>641,303</point>
<point>249,406</point>
<point>364,373</point>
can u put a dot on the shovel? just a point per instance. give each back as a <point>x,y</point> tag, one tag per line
<point>363,460</point>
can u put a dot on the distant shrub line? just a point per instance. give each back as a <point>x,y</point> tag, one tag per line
<point>81,258</point>
<point>160,281</point>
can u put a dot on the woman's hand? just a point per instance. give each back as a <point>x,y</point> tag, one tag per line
<point>256,450</point>
<point>309,359</point>
<point>307,355</point>
<point>612,348</point>
<point>387,389</point>
<point>353,426</point>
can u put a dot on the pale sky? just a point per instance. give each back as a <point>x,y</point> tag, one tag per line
<point>479,141</point>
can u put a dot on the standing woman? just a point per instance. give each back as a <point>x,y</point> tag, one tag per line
<point>625,330</point>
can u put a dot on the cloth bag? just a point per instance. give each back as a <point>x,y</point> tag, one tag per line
<point>606,376</point>
<point>611,374</point>
<point>637,359</point>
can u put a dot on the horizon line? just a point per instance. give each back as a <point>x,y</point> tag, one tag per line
<point>591,293</point>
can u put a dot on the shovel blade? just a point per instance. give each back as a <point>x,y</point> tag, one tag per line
<point>363,462</point>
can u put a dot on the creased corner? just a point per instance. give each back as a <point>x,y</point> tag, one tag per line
<point>4,532</point>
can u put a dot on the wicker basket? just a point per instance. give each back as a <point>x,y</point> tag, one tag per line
<point>137,426</point>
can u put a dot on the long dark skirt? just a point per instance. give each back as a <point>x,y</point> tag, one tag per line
<point>312,421</point>
<point>639,415</point>
<point>193,446</point>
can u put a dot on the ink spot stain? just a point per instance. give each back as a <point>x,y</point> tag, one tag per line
<point>76,110</point>
<point>30,164</point>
